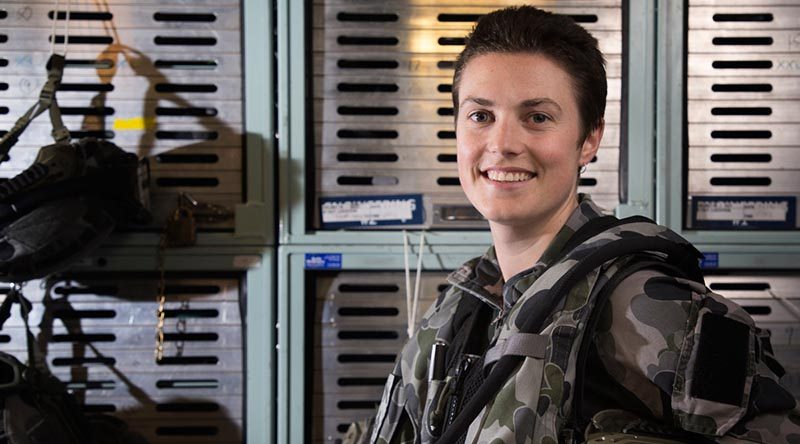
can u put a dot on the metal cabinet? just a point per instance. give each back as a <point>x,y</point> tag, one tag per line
<point>360,321</point>
<point>343,319</point>
<point>742,123</point>
<point>726,160</point>
<point>373,123</point>
<point>161,80</point>
<point>96,328</point>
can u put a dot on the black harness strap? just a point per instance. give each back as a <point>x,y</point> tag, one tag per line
<point>35,358</point>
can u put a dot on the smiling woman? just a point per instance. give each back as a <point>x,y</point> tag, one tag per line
<point>518,132</point>
<point>573,326</point>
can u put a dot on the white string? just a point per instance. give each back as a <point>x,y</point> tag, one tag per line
<point>53,29</point>
<point>412,303</point>
<point>786,303</point>
<point>410,327</point>
<point>418,280</point>
<point>66,26</point>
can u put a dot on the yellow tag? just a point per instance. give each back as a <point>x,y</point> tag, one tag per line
<point>135,124</point>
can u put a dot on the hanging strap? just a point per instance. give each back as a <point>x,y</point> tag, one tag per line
<point>35,358</point>
<point>47,101</point>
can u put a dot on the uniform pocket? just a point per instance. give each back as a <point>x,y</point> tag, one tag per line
<point>716,368</point>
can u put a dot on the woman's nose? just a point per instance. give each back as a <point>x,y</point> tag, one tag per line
<point>504,138</point>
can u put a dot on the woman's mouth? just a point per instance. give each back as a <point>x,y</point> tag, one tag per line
<point>514,176</point>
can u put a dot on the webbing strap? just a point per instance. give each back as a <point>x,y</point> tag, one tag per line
<point>47,101</point>
<point>35,358</point>
<point>531,345</point>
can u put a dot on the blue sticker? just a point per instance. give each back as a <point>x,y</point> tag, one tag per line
<point>370,211</point>
<point>744,212</point>
<point>323,261</point>
<point>709,260</point>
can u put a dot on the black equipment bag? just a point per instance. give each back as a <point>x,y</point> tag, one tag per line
<point>65,204</point>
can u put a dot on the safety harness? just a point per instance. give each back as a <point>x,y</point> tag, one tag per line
<point>47,102</point>
<point>70,199</point>
<point>551,335</point>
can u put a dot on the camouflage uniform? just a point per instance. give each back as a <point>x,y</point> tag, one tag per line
<point>645,346</point>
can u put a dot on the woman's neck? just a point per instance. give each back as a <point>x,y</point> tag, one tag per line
<point>519,247</point>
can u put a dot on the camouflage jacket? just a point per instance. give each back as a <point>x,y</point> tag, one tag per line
<point>648,345</point>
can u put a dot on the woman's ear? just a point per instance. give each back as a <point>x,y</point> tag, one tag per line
<point>592,143</point>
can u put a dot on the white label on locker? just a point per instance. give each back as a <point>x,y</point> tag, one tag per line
<point>371,210</point>
<point>743,210</point>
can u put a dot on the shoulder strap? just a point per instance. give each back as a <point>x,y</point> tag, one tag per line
<point>47,100</point>
<point>674,253</point>
<point>595,226</point>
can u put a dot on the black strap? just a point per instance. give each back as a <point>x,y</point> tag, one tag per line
<point>471,322</point>
<point>35,358</point>
<point>675,253</point>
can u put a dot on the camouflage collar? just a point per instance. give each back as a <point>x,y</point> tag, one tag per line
<point>482,278</point>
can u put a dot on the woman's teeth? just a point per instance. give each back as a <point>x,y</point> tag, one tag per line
<point>501,176</point>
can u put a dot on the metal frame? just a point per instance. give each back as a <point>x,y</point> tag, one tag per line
<point>737,249</point>
<point>254,219</point>
<point>292,113</point>
<point>292,331</point>
<point>258,267</point>
<point>641,74</point>
<point>247,249</point>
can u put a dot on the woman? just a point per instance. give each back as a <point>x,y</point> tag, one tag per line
<point>529,93</point>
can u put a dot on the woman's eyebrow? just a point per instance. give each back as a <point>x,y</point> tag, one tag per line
<point>532,103</point>
<point>478,100</point>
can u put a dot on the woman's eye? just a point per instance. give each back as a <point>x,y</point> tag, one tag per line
<point>479,117</point>
<point>539,118</point>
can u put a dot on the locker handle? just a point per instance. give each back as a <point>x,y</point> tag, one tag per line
<point>458,213</point>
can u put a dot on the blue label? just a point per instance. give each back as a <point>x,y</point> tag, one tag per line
<point>323,261</point>
<point>744,212</point>
<point>368,211</point>
<point>709,260</point>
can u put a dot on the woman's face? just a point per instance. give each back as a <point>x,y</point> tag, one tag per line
<point>517,133</point>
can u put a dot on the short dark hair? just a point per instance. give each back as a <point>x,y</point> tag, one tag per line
<point>526,29</point>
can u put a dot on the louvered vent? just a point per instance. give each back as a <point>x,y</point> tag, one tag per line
<point>160,79</point>
<point>743,94</point>
<point>359,326</point>
<point>383,117</point>
<point>98,337</point>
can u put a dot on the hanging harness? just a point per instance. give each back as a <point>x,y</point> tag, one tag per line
<point>47,102</point>
<point>72,196</point>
